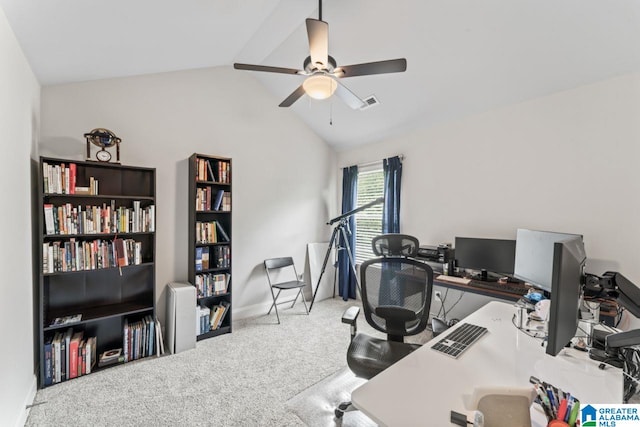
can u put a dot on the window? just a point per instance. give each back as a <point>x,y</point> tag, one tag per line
<point>368,221</point>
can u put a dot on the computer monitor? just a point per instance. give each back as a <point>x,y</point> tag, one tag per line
<point>534,256</point>
<point>486,255</point>
<point>566,288</point>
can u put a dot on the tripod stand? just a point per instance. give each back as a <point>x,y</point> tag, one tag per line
<point>342,230</point>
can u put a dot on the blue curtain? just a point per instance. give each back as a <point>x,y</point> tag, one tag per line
<point>346,279</point>
<point>391,208</point>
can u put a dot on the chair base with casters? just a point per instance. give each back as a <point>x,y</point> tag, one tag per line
<point>281,265</point>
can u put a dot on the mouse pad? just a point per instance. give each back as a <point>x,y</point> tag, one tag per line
<point>501,410</point>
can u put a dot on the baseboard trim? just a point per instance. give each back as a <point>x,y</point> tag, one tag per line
<point>262,308</point>
<point>29,398</point>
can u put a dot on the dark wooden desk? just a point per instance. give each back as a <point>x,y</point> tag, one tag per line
<point>504,295</point>
<point>607,314</point>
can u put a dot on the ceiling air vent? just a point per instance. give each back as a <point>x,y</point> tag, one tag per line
<point>370,101</point>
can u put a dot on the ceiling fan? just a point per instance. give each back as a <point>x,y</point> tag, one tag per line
<point>322,71</point>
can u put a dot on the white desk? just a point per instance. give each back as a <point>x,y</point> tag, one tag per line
<point>423,388</point>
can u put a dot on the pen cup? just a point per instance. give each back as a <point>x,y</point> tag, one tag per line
<point>557,423</point>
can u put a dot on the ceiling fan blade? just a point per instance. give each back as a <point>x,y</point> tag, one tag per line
<point>349,98</point>
<point>295,95</point>
<point>268,69</point>
<point>368,68</point>
<point>318,33</point>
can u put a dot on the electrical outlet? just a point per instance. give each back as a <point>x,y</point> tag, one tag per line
<point>438,295</point>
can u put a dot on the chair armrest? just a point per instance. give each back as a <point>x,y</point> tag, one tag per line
<point>351,315</point>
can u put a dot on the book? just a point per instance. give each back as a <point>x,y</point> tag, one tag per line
<point>199,259</point>
<point>151,335</point>
<point>56,352</point>
<point>64,354</point>
<point>218,202</point>
<point>48,219</point>
<point>159,338</point>
<point>72,178</point>
<point>125,340</point>
<point>211,174</point>
<point>91,353</point>
<point>74,344</point>
<point>82,358</point>
<point>82,190</point>
<point>111,357</point>
<point>48,361</point>
<point>205,258</point>
<point>121,252</point>
<point>226,306</point>
<point>223,233</point>
<point>66,320</point>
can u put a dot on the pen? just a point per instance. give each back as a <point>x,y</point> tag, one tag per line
<point>562,410</point>
<point>542,397</point>
<point>546,404</point>
<point>552,400</point>
<point>569,409</point>
<point>574,413</point>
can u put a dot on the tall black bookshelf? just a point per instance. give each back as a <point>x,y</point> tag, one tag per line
<point>96,250</point>
<point>210,242</point>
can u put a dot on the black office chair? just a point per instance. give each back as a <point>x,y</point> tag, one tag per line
<point>285,278</point>
<point>396,297</point>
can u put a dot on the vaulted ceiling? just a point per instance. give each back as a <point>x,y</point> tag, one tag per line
<point>464,56</point>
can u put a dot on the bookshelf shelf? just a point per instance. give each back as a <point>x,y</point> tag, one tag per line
<point>214,333</point>
<point>96,196</point>
<point>209,259</point>
<point>99,235</point>
<point>95,314</point>
<point>106,277</point>
<point>65,273</point>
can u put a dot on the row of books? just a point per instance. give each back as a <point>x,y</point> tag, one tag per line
<point>69,220</point>
<point>210,232</point>
<point>220,257</point>
<point>68,355</point>
<point>216,257</point>
<point>206,202</point>
<point>209,285</point>
<point>75,255</point>
<point>142,338</point>
<point>61,179</point>
<point>210,319</point>
<point>213,170</point>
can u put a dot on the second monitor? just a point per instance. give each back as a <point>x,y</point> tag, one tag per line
<point>487,255</point>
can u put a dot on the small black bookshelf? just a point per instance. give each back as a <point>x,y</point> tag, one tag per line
<point>209,259</point>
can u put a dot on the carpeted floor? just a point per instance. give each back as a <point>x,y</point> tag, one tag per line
<point>239,379</point>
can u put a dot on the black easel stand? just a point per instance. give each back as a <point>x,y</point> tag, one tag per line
<point>342,230</point>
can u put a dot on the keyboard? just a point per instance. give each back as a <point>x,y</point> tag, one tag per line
<point>456,342</point>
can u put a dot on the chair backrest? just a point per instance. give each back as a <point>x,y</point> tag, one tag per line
<point>273,264</point>
<point>396,295</point>
<point>394,244</point>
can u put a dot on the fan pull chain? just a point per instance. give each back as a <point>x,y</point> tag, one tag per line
<point>331,113</point>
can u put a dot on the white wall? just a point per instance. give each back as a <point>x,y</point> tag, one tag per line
<point>19,117</point>
<point>565,162</point>
<point>283,174</point>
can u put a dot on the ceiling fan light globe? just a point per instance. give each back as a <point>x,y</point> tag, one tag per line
<point>319,86</point>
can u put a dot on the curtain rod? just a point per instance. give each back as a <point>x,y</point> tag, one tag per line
<point>401,156</point>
